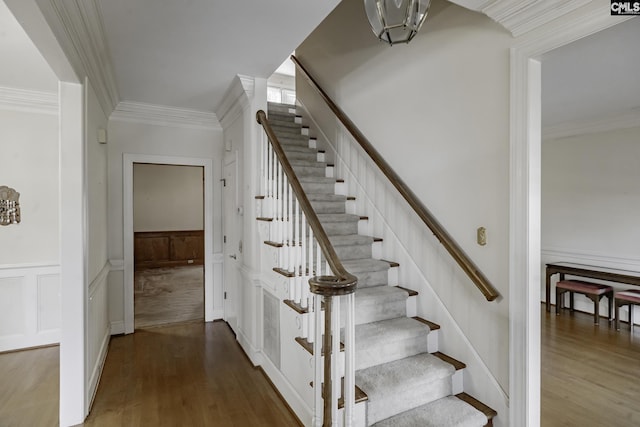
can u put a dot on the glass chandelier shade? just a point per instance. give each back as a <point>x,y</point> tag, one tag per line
<point>396,21</point>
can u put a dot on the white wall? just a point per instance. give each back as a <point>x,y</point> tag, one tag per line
<point>438,111</point>
<point>30,253</point>
<point>97,256</point>
<point>152,139</point>
<point>590,200</point>
<point>167,197</point>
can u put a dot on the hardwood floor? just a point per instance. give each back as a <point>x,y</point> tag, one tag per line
<point>190,374</point>
<point>195,374</point>
<point>590,374</point>
<point>29,387</point>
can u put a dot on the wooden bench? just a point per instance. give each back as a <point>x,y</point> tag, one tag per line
<point>629,297</point>
<point>593,291</point>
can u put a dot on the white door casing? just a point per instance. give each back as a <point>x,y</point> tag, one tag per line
<point>232,249</point>
<point>127,171</point>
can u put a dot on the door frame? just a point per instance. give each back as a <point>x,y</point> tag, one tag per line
<point>233,159</point>
<point>127,202</point>
<point>525,194</point>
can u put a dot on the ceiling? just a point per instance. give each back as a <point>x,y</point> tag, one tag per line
<point>597,76</point>
<point>185,54</point>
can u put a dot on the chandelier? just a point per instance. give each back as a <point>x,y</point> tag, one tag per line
<point>396,21</point>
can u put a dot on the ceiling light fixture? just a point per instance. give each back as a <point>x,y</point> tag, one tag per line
<point>396,21</point>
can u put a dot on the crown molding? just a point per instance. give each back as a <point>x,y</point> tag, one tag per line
<point>138,112</point>
<point>30,101</point>
<point>521,16</point>
<point>236,99</point>
<point>79,28</point>
<point>626,120</point>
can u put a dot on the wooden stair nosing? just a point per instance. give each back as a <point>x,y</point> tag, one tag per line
<point>391,263</point>
<point>295,306</point>
<point>450,360</point>
<point>259,197</point>
<point>489,412</point>
<point>361,396</point>
<point>309,346</point>
<point>351,198</point>
<point>274,244</point>
<point>285,273</point>
<point>378,239</point>
<point>264,218</point>
<point>431,325</point>
<point>411,292</point>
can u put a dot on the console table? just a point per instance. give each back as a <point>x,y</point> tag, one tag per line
<point>581,270</point>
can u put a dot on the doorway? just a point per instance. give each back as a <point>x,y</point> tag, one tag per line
<point>128,230</point>
<point>168,222</point>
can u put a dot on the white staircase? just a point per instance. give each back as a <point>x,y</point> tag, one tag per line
<point>406,380</point>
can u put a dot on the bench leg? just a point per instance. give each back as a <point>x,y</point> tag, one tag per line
<point>617,304</point>
<point>631,317</point>
<point>571,300</point>
<point>610,302</point>
<point>596,310</point>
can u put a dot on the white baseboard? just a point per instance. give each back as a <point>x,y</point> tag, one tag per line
<point>255,356</point>
<point>117,327</point>
<point>97,369</point>
<point>289,394</point>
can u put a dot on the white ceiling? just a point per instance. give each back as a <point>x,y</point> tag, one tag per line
<point>186,53</point>
<point>23,67</point>
<point>594,77</point>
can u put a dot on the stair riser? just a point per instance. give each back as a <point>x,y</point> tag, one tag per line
<point>373,311</point>
<point>353,251</point>
<point>287,130</point>
<point>310,171</point>
<point>367,356</point>
<point>319,188</point>
<point>407,399</point>
<point>310,156</point>
<point>340,228</point>
<point>280,108</point>
<point>328,207</point>
<point>279,116</point>
<point>373,278</point>
<point>277,123</point>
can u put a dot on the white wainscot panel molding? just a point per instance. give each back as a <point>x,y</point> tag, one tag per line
<point>29,306</point>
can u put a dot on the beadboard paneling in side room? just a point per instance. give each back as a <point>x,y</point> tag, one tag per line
<point>29,306</point>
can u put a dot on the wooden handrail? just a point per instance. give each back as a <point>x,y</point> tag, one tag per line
<point>343,282</point>
<point>463,260</point>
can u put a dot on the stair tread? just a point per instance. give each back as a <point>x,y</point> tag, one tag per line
<point>307,163</point>
<point>411,292</point>
<point>447,411</point>
<point>487,410</point>
<point>400,375</point>
<point>316,180</point>
<point>355,266</point>
<point>350,240</point>
<point>458,365</point>
<point>320,197</point>
<point>326,218</point>
<point>376,292</point>
<point>386,331</point>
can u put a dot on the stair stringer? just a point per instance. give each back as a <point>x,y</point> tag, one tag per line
<point>479,380</point>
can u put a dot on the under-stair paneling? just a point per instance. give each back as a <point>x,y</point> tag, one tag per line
<point>29,306</point>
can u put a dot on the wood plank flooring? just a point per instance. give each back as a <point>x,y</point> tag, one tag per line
<point>590,374</point>
<point>196,374</point>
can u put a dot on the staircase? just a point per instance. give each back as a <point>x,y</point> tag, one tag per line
<point>406,380</point>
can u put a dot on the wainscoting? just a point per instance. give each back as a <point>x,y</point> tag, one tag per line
<point>155,249</point>
<point>29,306</point>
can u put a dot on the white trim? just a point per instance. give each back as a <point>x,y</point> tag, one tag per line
<point>624,120</point>
<point>236,99</point>
<point>524,261</point>
<point>8,270</point>
<point>96,374</point>
<point>522,16</point>
<point>117,264</point>
<point>162,115</point>
<point>592,258</point>
<point>117,327</point>
<point>100,278</point>
<point>127,194</point>
<point>30,101</point>
<point>79,30</point>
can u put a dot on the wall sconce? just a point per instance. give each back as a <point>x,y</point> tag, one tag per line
<point>9,206</point>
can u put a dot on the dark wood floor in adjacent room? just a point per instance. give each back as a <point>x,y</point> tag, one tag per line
<point>590,374</point>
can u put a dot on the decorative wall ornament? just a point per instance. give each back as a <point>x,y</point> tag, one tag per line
<point>9,206</point>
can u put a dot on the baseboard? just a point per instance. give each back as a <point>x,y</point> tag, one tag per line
<point>24,342</point>
<point>254,355</point>
<point>117,327</point>
<point>97,369</point>
<point>288,393</point>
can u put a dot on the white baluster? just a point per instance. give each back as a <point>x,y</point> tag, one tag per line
<point>290,228</point>
<point>296,252</point>
<point>350,361</point>
<point>335,354</point>
<point>304,288</point>
<point>317,359</point>
<point>285,224</point>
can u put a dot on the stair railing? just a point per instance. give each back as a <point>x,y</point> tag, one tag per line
<point>458,254</point>
<point>307,256</point>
